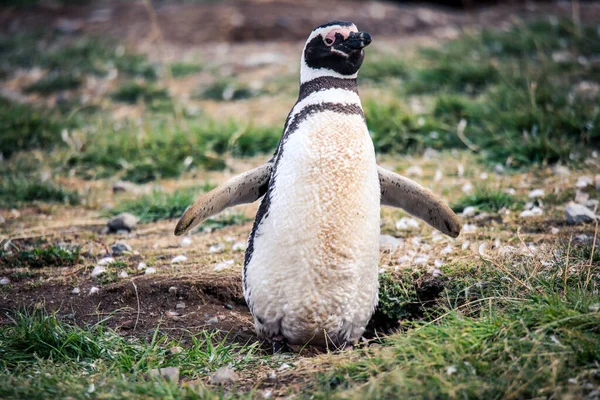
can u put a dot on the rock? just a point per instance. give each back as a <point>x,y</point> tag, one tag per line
<point>389,243</point>
<point>186,241</point>
<point>536,193</point>
<point>216,248</point>
<point>421,259</point>
<point>469,211</point>
<point>578,214</point>
<point>173,290</point>
<point>76,291</point>
<point>141,266</point>
<point>406,224</point>
<point>467,188</point>
<point>150,270</point>
<point>179,259</point>
<point>213,320</point>
<point>180,306</point>
<point>534,212</point>
<point>123,274</point>
<point>129,324</point>
<point>223,376</point>
<point>124,186</point>
<point>2,220</point>
<point>228,307</point>
<point>224,265</point>
<point>239,246</point>
<point>584,181</point>
<point>106,261</point>
<point>93,290</point>
<point>561,170</point>
<point>169,373</point>
<point>120,248</point>
<point>415,170</point>
<point>122,222</point>
<point>4,281</point>
<point>98,270</point>
<point>175,350</point>
<point>468,228</point>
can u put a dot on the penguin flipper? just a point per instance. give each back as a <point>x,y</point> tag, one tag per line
<point>245,188</point>
<point>398,191</point>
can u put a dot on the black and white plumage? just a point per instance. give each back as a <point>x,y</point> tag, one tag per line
<point>311,267</point>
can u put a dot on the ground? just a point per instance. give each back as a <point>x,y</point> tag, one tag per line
<point>496,110</point>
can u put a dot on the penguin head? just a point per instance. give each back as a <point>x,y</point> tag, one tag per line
<point>334,49</point>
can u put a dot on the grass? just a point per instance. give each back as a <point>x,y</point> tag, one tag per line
<point>226,90</point>
<point>18,190</point>
<point>521,108</point>
<point>42,355</point>
<point>182,69</point>
<point>161,205</point>
<point>54,83</point>
<point>39,257</point>
<point>486,199</point>
<point>133,92</point>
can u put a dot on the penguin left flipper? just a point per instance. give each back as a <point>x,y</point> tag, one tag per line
<point>398,191</point>
<point>245,188</point>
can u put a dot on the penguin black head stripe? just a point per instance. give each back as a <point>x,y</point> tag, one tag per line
<point>334,49</point>
<point>311,266</point>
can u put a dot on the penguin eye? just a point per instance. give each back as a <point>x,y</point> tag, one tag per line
<point>328,41</point>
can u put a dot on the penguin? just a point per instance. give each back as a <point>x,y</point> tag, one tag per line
<point>310,272</point>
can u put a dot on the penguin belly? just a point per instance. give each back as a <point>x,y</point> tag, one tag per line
<point>312,275</point>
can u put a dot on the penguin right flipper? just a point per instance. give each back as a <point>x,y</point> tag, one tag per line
<point>398,191</point>
<point>245,188</point>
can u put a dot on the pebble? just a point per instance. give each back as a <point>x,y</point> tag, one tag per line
<point>482,249</point>
<point>469,211</point>
<point>124,186</point>
<point>283,367</point>
<point>94,290</point>
<point>239,246</point>
<point>223,376</point>
<point>216,248</point>
<point>76,291</point>
<point>173,290</point>
<point>561,170</point>
<point>150,270</point>
<point>228,307</point>
<point>142,266</point>
<point>180,306</point>
<point>98,270</point>
<point>534,212</point>
<point>466,245</point>
<point>2,220</point>
<point>223,265</point>
<point>467,187</point>
<point>171,374</point>
<point>447,250</point>
<point>122,222</point>
<point>120,248</point>
<point>179,259</point>
<point>213,320</point>
<point>175,350</point>
<point>186,241</point>
<point>415,170</point>
<point>584,181</point>
<point>436,272</point>
<point>124,274</point>
<point>405,224</point>
<point>389,243</point>
<point>4,281</point>
<point>106,261</point>
<point>468,228</point>
<point>422,259</point>
<point>578,214</point>
<point>554,230</point>
<point>438,176</point>
<point>536,193</point>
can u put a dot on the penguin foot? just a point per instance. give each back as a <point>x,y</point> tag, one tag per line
<point>280,345</point>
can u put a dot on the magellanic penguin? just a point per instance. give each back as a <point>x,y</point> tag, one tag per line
<point>311,266</point>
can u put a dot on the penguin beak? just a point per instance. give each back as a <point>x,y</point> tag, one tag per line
<point>358,40</point>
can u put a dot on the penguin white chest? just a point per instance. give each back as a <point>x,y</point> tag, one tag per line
<point>313,272</point>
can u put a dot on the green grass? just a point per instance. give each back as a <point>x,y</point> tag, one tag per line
<point>54,83</point>
<point>133,92</point>
<point>487,199</point>
<point>18,190</point>
<point>225,89</point>
<point>380,68</point>
<point>161,205</point>
<point>39,257</point>
<point>489,335</point>
<point>41,355</point>
<point>182,69</point>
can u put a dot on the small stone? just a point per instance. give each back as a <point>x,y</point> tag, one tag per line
<point>186,241</point>
<point>224,265</point>
<point>405,224</point>
<point>228,307</point>
<point>466,245</point>
<point>106,261</point>
<point>150,270</point>
<point>468,228</point>
<point>173,290</point>
<point>216,248</point>
<point>4,281</point>
<point>180,306</point>
<point>535,193</point>
<point>223,376</point>
<point>389,243</point>
<point>482,249</point>
<point>213,320</point>
<point>239,246</point>
<point>499,169</point>
<point>469,211</point>
<point>120,248</point>
<point>534,212</point>
<point>584,181</point>
<point>125,221</point>
<point>415,170</point>
<point>578,214</point>
<point>447,250</point>
<point>271,375</point>
<point>123,274</point>
<point>175,350</point>
<point>283,367</point>
<point>438,176</point>
<point>554,230</point>
<point>179,259</point>
<point>93,290</point>
<point>561,170</point>
<point>129,324</point>
<point>451,370</point>
<point>76,291</point>
<point>142,266</point>
<point>98,270</point>
<point>171,374</point>
<point>460,170</point>
<point>436,272</point>
<point>421,259</point>
<point>467,187</point>
<point>2,220</point>
<point>124,186</point>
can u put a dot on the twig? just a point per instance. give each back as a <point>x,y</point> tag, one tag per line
<point>137,297</point>
<point>589,274</point>
<point>460,132</point>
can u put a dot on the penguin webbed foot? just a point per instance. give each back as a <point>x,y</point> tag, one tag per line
<point>280,345</point>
